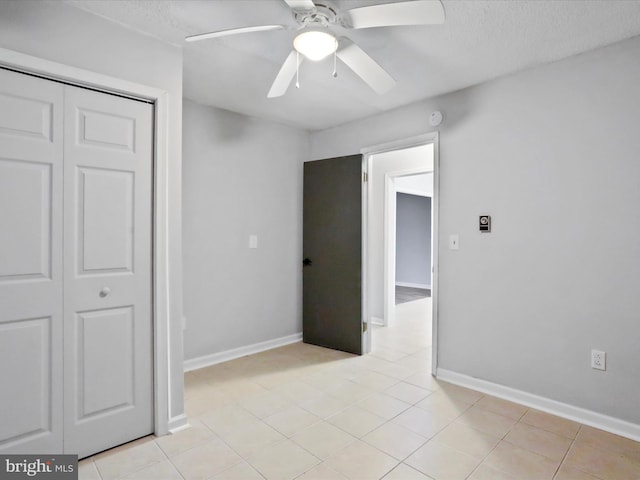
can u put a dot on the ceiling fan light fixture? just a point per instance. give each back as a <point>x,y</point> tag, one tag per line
<point>315,44</point>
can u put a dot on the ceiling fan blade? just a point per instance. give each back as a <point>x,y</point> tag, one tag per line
<point>365,66</point>
<point>285,75</point>
<point>233,31</point>
<point>300,4</point>
<point>419,12</point>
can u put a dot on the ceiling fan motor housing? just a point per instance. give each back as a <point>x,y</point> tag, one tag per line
<point>322,15</point>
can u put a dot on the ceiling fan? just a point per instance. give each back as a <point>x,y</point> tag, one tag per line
<point>316,40</point>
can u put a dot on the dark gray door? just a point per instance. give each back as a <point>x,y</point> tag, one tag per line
<point>332,252</point>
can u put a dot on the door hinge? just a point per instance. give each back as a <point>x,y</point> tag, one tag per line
<point>365,177</point>
<point>365,325</point>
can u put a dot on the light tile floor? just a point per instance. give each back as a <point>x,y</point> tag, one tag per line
<point>309,413</point>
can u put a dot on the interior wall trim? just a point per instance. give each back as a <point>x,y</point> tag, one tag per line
<point>178,423</point>
<point>225,356</point>
<point>414,285</point>
<point>564,410</point>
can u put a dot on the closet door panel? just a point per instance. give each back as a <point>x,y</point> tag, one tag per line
<point>31,278</point>
<point>26,402</point>
<point>26,231</point>
<point>75,263</point>
<point>105,240</point>
<point>108,323</point>
<point>105,350</point>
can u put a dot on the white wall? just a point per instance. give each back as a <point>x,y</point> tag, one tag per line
<point>552,155</point>
<point>241,176</point>
<point>382,164</point>
<point>62,34</point>
<point>413,240</point>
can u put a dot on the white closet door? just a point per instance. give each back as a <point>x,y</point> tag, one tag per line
<point>30,264</point>
<point>107,261</point>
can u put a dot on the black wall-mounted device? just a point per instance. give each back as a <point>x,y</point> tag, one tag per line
<point>484,223</point>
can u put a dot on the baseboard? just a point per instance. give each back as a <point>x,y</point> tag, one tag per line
<point>178,423</point>
<point>413,285</point>
<point>577,414</point>
<point>214,358</point>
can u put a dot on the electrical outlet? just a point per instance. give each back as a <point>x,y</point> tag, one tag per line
<point>598,360</point>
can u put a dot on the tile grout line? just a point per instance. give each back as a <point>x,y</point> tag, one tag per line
<point>573,441</point>
<point>501,439</point>
<point>564,457</point>
<point>209,441</point>
<point>167,456</point>
<point>246,460</point>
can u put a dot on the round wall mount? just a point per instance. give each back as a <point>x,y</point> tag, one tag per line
<point>435,118</point>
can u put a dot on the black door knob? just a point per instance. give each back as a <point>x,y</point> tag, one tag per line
<point>306,262</point>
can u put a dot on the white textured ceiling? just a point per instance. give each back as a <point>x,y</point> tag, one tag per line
<point>480,40</point>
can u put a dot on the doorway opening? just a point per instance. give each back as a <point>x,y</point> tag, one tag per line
<point>413,253</point>
<point>408,167</point>
<point>407,242</point>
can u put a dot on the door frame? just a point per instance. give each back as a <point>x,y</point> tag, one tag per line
<point>367,327</point>
<point>402,144</point>
<point>163,289</point>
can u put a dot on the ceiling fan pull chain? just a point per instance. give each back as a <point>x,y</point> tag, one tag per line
<point>335,64</point>
<point>297,69</point>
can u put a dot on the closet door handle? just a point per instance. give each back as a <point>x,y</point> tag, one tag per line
<point>105,291</point>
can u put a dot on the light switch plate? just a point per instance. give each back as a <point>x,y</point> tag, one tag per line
<point>454,241</point>
<point>253,241</point>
